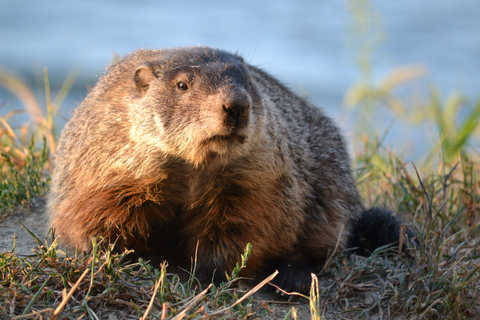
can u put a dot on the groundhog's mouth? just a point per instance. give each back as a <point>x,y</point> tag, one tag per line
<point>227,138</point>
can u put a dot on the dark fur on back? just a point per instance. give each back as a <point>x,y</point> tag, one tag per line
<point>191,149</point>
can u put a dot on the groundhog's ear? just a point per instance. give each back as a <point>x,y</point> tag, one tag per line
<point>143,77</point>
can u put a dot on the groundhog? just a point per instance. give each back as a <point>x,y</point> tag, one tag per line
<point>192,152</point>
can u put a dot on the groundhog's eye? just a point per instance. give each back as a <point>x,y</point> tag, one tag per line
<point>182,86</point>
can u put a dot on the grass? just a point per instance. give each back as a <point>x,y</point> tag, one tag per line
<point>53,284</point>
<point>441,277</point>
<point>21,182</point>
<point>25,164</point>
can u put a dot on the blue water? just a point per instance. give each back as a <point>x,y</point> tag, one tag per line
<point>303,43</point>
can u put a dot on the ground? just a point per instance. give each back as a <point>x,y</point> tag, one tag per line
<point>15,236</point>
<point>352,286</point>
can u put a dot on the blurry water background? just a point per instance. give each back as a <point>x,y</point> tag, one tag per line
<point>304,43</point>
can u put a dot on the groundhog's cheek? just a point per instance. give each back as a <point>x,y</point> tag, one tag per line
<point>158,124</point>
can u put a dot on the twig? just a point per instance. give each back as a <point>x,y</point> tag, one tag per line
<point>62,304</point>
<point>247,295</point>
<point>150,305</point>
<point>334,251</point>
<point>192,303</point>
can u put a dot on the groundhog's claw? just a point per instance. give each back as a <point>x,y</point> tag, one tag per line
<point>293,277</point>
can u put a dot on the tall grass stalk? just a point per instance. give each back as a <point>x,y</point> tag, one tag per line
<point>24,162</point>
<point>403,92</point>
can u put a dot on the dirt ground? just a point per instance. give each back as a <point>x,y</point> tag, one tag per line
<point>14,236</point>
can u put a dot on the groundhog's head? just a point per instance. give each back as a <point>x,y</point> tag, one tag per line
<point>196,103</point>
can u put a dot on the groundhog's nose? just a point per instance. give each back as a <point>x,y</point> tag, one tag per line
<point>236,110</point>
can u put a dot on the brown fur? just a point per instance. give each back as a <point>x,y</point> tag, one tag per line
<point>235,158</point>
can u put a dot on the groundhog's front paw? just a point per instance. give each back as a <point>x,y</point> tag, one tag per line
<point>210,273</point>
<point>294,277</point>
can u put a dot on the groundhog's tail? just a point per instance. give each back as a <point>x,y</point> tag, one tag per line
<point>375,228</point>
